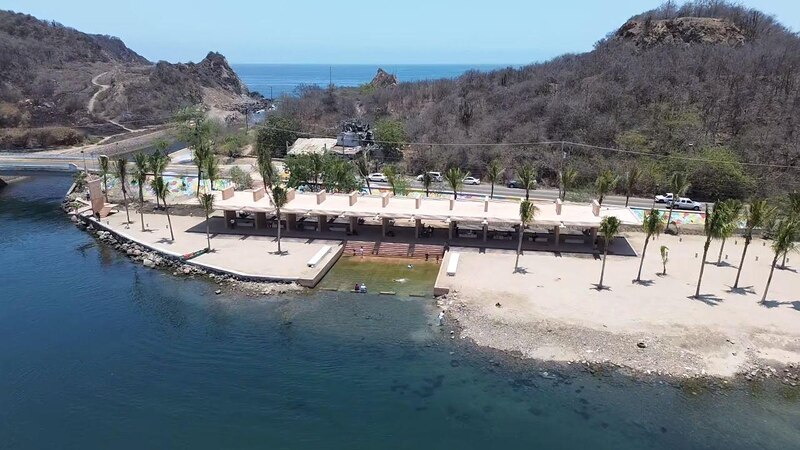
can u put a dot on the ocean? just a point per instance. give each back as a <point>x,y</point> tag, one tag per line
<point>276,80</point>
<point>101,353</point>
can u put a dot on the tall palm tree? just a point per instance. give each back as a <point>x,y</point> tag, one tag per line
<point>678,184</point>
<point>652,225</point>
<point>527,211</point>
<point>568,179</point>
<point>455,179</point>
<point>784,242</point>
<point>609,228</point>
<point>140,175</point>
<point>162,191</point>
<point>714,228</point>
<point>265,167</point>
<point>527,176</point>
<point>733,212</point>
<point>756,216</point>
<point>212,170</point>
<point>794,212</point>
<point>202,152</point>
<point>121,169</point>
<point>362,167</point>
<point>493,173</point>
<point>630,181</point>
<point>395,180</point>
<point>207,203</point>
<point>279,199</point>
<point>105,169</point>
<point>427,181</point>
<point>158,164</point>
<point>317,166</point>
<point>604,184</point>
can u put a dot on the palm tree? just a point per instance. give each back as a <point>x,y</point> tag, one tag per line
<point>609,228</point>
<point>161,190</point>
<point>664,258</point>
<point>756,216</point>
<point>784,241</point>
<point>794,212</point>
<point>733,212</point>
<point>493,174</point>
<point>279,199</point>
<point>679,184</point>
<point>140,175</point>
<point>568,179</point>
<point>604,184</point>
<point>652,225</point>
<point>362,167</point>
<point>158,163</point>
<point>395,180</point>
<point>265,167</point>
<point>714,229</point>
<point>212,170</point>
<point>202,152</point>
<point>121,169</point>
<point>527,211</point>
<point>427,180</point>
<point>207,203</point>
<point>455,179</point>
<point>317,166</point>
<point>631,179</point>
<point>527,176</point>
<point>105,169</point>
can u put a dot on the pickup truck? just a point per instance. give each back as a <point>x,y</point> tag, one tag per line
<point>667,198</point>
<point>686,203</point>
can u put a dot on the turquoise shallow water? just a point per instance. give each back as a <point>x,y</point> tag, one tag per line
<point>100,353</point>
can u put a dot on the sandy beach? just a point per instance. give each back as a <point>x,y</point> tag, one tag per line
<point>553,311</point>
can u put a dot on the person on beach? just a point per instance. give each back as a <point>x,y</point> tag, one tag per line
<point>441,318</point>
<point>361,251</point>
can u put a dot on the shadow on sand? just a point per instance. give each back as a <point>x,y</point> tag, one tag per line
<point>708,299</point>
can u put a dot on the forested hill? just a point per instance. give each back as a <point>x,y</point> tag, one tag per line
<point>707,79</point>
<point>46,81</point>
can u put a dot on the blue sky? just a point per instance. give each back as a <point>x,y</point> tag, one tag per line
<point>357,31</point>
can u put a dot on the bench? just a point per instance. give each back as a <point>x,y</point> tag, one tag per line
<point>452,265</point>
<point>319,255</point>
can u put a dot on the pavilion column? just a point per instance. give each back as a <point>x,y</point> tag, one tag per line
<point>261,220</point>
<point>353,224</point>
<point>384,226</point>
<point>228,215</point>
<point>322,223</point>
<point>291,222</point>
<point>485,232</point>
<point>556,235</point>
<point>450,229</point>
<point>593,236</point>
<point>417,227</point>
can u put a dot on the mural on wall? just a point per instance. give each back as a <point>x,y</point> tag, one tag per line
<point>177,185</point>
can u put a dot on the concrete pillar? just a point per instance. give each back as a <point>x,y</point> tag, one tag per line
<point>450,229</point>
<point>261,220</point>
<point>291,221</point>
<point>353,224</point>
<point>417,226</point>
<point>593,236</point>
<point>322,223</point>
<point>485,232</point>
<point>384,226</point>
<point>228,215</point>
<point>556,235</point>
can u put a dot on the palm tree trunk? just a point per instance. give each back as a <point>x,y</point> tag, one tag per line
<point>669,216</point>
<point>603,267</point>
<point>741,263</point>
<point>702,266</point>
<point>783,263</point>
<point>105,187</point>
<point>527,193</point>
<point>519,247</point>
<point>169,221</point>
<point>627,197</point>
<point>369,189</point>
<point>769,279</point>
<point>141,205</point>
<point>491,194</point>
<point>199,179</point>
<point>641,263</point>
<point>279,231</point>
<point>208,233</point>
<point>158,199</point>
<point>125,202</point>
<point>721,248</point>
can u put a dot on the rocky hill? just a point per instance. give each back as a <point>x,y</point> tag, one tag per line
<point>55,76</point>
<point>705,80</point>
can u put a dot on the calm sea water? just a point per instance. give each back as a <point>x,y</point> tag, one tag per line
<point>283,79</point>
<point>100,353</point>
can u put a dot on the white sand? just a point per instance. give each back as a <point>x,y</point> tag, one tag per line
<point>553,311</point>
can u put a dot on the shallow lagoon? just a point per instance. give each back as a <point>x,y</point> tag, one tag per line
<point>101,353</point>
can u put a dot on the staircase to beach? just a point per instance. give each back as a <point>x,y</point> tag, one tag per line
<point>394,250</point>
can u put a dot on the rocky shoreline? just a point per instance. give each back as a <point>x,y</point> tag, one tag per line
<point>478,330</point>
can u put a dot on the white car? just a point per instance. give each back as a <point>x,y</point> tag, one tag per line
<point>377,177</point>
<point>436,177</point>
<point>472,180</point>
<point>664,198</point>
<point>687,203</point>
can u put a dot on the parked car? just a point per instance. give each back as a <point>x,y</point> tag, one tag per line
<point>377,177</point>
<point>436,177</point>
<point>472,180</point>
<point>687,203</point>
<point>667,198</point>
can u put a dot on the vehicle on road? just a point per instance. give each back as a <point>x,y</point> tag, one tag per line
<point>435,176</point>
<point>686,203</point>
<point>666,198</point>
<point>472,180</point>
<point>377,177</point>
<point>517,184</point>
